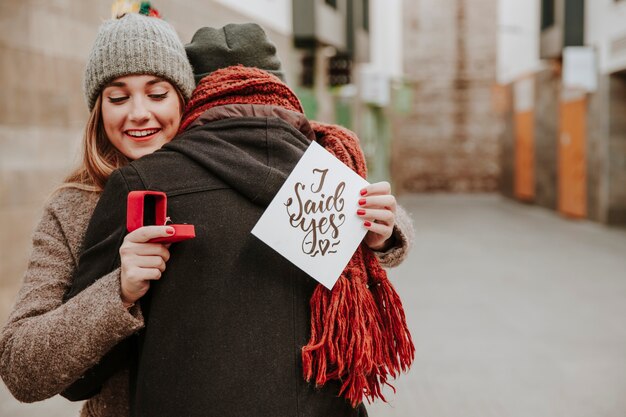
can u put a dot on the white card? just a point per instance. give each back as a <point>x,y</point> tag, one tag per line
<point>312,220</point>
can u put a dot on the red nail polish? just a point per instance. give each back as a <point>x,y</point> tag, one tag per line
<point>367,224</point>
<point>362,202</point>
<point>170,231</point>
<point>360,212</point>
<point>363,192</point>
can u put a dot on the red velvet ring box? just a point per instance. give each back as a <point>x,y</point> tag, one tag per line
<point>149,208</point>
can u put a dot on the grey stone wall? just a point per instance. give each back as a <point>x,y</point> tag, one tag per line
<point>42,50</point>
<point>448,142</point>
<point>506,137</point>
<point>598,119</point>
<point>606,151</point>
<point>546,133</point>
<point>616,210</point>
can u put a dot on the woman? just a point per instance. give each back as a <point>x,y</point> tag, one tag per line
<point>137,82</point>
<point>133,97</point>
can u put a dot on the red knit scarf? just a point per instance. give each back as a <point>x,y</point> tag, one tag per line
<point>359,334</point>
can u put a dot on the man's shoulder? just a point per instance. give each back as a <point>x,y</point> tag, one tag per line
<point>167,170</point>
<point>159,159</point>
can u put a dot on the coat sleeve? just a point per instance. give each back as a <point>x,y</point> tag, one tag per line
<point>104,236</point>
<point>404,235</point>
<point>100,256</point>
<point>47,344</point>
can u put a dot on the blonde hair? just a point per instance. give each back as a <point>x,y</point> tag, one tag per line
<point>99,157</point>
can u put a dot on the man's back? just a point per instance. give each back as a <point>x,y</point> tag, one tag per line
<point>226,322</point>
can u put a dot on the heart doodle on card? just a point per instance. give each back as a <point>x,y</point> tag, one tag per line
<point>324,245</point>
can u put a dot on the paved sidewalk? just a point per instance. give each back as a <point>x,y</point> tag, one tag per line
<point>515,312</point>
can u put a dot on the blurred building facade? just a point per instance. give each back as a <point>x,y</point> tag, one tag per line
<point>563,133</point>
<point>446,138</point>
<point>324,45</point>
<point>351,53</point>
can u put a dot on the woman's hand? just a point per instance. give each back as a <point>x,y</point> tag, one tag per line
<point>377,207</point>
<point>141,261</point>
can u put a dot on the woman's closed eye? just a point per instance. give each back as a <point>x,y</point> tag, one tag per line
<point>160,96</point>
<point>117,99</point>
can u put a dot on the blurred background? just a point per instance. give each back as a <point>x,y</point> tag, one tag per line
<point>502,127</point>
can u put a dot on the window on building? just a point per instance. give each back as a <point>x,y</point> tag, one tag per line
<point>307,76</point>
<point>339,69</point>
<point>331,3</point>
<point>547,14</point>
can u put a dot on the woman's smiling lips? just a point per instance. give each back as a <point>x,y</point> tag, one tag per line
<point>141,135</point>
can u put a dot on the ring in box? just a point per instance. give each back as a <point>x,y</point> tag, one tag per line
<point>149,208</point>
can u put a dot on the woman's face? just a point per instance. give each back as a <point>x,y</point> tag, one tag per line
<point>140,113</point>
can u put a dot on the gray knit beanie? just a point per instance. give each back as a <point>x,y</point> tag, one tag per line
<point>246,44</point>
<point>136,44</point>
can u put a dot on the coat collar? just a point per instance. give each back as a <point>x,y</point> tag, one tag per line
<point>295,119</point>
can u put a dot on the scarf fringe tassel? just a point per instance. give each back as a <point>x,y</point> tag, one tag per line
<point>359,334</point>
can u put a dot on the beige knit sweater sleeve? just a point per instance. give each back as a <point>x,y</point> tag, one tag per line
<point>46,345</point>
<point>404,235</point>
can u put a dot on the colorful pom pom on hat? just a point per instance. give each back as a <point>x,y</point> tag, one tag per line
<point>122,7</point>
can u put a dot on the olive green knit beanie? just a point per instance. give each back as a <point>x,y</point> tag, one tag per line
<point>246,44</point>
<point>136,44</point>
